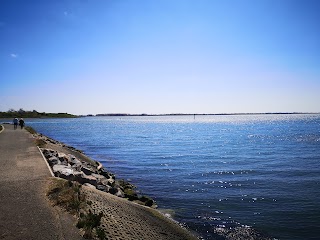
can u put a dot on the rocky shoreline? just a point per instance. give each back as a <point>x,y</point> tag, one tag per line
<point>71,164</point>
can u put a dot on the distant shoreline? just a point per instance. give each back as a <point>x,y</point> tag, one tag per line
<point>194,114</point>
<point>4,115</point>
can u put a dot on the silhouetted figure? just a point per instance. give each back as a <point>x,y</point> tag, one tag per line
<point>21,123</point>
<point>15,123</point>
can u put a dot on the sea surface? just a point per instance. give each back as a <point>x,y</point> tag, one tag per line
<point>212,171</point>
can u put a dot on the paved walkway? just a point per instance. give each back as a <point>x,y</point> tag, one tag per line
<point>25,212</point>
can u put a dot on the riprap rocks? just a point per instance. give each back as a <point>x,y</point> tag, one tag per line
<point>67,166</point>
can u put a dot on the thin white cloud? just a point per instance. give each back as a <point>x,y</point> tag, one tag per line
<point>13,55</point>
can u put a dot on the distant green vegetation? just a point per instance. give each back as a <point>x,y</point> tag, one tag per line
<point>11,113</point>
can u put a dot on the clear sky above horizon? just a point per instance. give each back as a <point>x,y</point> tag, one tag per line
<point>161,56</point>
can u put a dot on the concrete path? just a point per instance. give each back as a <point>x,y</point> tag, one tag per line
<point>25,212</point>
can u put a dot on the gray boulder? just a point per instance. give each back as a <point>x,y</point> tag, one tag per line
<point>53,161</point>
<point>48,153</point>
<point>106,173</point>
<point>86,170</point>
<point>89,185</point>
<point>83,178</point>
<point>75,163</point>
<point>99,177</point>
<point>119,193</point>
<point>103,188</point>
<point>63,158</point>
<point>63,171</point>
<point>107,182</point>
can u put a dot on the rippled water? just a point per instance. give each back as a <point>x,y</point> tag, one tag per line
<point>256,170</point>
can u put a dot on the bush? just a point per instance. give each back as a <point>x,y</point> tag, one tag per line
<point>66,194</point>
<point>101,234</point>
<point>90,221</point>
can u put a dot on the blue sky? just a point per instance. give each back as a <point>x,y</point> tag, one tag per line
<point>160,56</point>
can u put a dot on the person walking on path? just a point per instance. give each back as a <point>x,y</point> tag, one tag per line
<point>21,123</point>
<point>15,123</point>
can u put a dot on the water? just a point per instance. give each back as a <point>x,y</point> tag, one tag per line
<point>256,170</point>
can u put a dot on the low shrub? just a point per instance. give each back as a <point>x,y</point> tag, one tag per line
<point>101,234</point>
<point>88,222</point>
<point>66,194</point>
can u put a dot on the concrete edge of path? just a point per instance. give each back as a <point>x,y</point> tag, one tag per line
<point>45,160</point>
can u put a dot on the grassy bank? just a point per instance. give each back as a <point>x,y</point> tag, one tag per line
<point>68,195</point>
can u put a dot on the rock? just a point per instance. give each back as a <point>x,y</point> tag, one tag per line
<point>107,182</point>
<point>94,176</point>
<point>53,161</point>
<point>62,155</point>
<point>87,170</point>
<point>103,180</point>
<point>74,162</point>
<point>105,173</point>
<point>99,166</point>
<point>148,201</point>
<point>130,194</point>
<point>89,185</point>
<point>103,188</point>
<point>63,158</point>
<point>83,178</point>
<point>51,141</point>
<point>113,190</point>
<point>119,193</point>
<point>48,153</point>
<point>77,173</point>
<point>63,171</point>
<point>99,177</point>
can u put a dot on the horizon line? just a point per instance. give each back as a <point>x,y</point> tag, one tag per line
<point>198,114</point>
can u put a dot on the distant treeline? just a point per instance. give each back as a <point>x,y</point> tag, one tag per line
<point>33,114</point>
